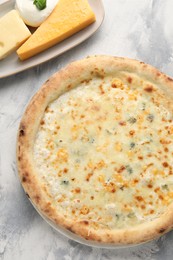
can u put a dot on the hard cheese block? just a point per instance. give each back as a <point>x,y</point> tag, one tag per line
<point>13,32</point>
<point>68,17</point>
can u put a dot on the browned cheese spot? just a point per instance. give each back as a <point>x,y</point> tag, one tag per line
<point>89,175</point>
<point>86,81</point>
<point>149,88</point>
<point>150,185</point>
<point>69,86</point>
<point>151,211</point>
<point>77,190</point>
<point>113,85</point>
<point>86,222</point>
<point>122,123</point>
<point>101,89</point>
<point>165,164</point>
<point>129,79</point>
<point>121,169</point>
<point>132,132</point>
<point>65,170</point>
<point>139,198</point>
<point>161,197</point>
<point>157,189</point>
<point>42,122</point>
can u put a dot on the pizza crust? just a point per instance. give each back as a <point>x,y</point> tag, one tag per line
<point>62,81</point>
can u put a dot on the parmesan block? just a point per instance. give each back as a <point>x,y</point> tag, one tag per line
<point>13,33</point>
<point>67,18</point>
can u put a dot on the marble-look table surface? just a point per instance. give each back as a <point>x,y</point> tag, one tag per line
<point>140,29</point>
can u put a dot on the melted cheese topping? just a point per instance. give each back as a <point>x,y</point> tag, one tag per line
<point>104,152</point>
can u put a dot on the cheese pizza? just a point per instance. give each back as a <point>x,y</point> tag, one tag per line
<point>95,150</point>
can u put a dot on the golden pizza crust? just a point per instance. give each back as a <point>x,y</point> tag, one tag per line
<point>60,82</point>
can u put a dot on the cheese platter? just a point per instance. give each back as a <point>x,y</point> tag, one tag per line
<point>12,64</point>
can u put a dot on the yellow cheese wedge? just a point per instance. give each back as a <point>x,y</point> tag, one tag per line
<point>68,17</point>
<point>13,32</point>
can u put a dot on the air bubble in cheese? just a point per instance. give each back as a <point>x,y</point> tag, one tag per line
<point>13,32</point>
<point>67,18</point>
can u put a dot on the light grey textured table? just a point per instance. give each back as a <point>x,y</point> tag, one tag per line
<point>140,29</point>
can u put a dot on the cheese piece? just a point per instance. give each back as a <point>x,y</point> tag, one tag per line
<point>13,33</point>
<point>67,18</point>
<point>31,15</point>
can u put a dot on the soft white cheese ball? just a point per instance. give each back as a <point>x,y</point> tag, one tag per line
<point>31,15</point>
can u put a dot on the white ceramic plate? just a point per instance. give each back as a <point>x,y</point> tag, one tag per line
<point>12,65</point>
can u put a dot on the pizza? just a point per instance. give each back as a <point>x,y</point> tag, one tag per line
<point>95,150</point>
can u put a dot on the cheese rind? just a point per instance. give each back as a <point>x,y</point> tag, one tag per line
<point>13,33</point>
<point>67,18</point>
